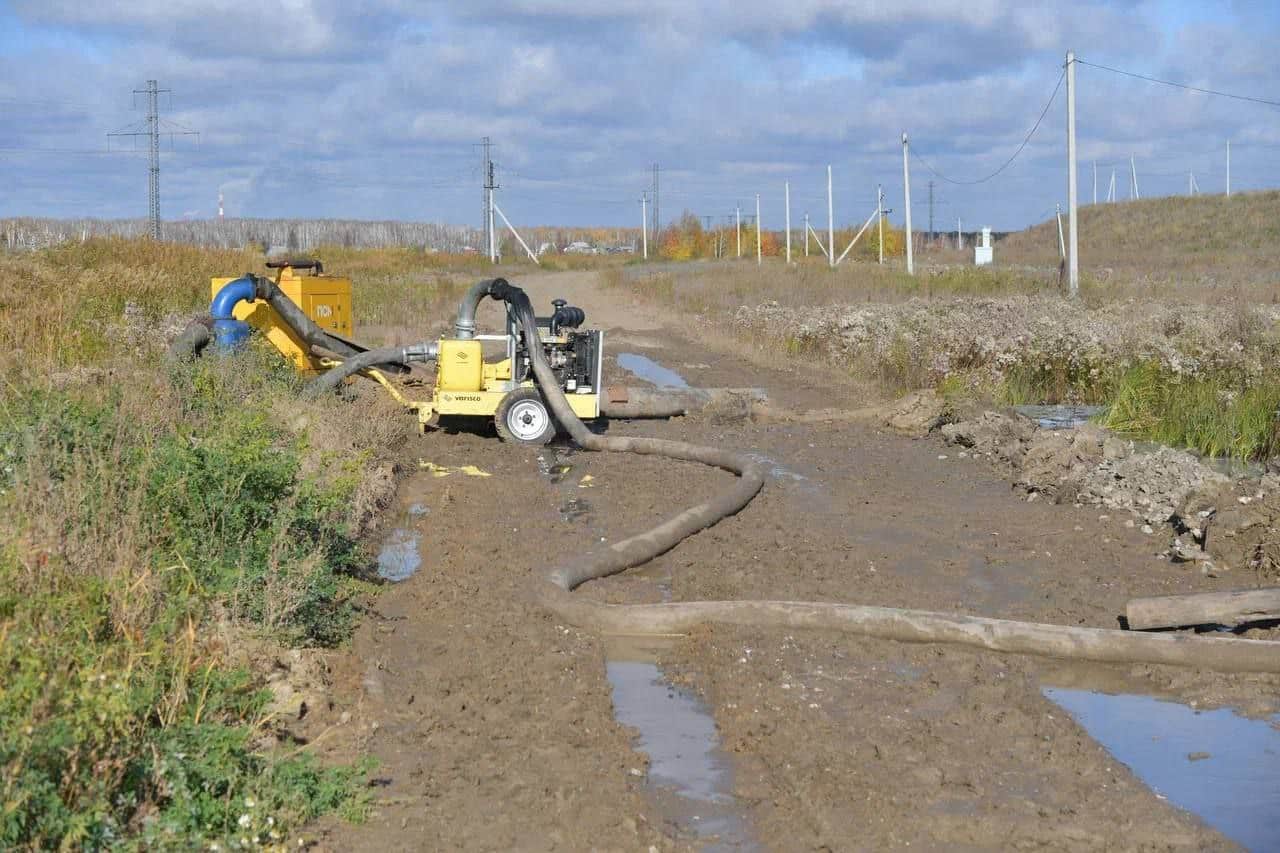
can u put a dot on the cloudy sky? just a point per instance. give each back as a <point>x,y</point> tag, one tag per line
<point>374,109</point>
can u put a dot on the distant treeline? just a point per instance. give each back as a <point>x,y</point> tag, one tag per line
<point>295,234</point>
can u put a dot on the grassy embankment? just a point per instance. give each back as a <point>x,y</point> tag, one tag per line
<point>1176,330</point>
<point>152,518</point>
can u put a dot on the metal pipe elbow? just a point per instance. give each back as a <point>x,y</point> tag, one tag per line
<point>228,332</point>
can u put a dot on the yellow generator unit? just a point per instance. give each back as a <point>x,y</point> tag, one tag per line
<point>326,299</point>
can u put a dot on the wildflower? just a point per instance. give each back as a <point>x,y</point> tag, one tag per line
<point>249,803</point>
<point>244,820</point>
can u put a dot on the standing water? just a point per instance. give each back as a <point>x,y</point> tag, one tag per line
<point>1218,765</point>
<point>650,371</point>
<point>690,774</point>
<point>1059,416</point>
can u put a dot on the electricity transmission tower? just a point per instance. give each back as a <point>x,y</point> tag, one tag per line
<point>152,132</point>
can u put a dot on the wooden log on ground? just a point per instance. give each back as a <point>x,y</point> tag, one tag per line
<point>1207,608</point>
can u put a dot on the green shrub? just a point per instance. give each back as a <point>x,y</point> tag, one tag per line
<point>127,522</point>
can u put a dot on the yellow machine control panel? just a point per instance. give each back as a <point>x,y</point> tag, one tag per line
<point>326,299</point>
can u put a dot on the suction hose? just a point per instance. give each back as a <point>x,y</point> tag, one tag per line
<point>296,319</point>
<point>555,591</point>
<point>332,378</point>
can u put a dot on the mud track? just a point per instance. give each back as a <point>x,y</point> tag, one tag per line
<point>493,726</point>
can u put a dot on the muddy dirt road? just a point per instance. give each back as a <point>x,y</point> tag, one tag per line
<point>495,727</point>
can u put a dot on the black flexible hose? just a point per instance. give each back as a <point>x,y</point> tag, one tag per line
<point>191,341</point>
<point>297,320</point>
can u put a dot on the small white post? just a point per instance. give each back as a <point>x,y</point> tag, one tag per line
<point>1228,168</point>
<point>786,189</point>
<point>758,255</point>
<point>1133,175</point>
<point>831,223</point>
<point>1062,242</point>
<point>1073,263</point>
<point>906,191</point>
<point>806,235</point>
<point>880,213</point>
<point>644,224</point>
<point>737,212</point>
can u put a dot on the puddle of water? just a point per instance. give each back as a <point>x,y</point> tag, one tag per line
<point>692,776</point>
<point>1059,417</point>
<point>399,557</point>
<point>650,371</point>
<point>1218,765</point>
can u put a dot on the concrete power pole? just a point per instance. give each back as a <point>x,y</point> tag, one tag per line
<point>758,253</point>
<point>1073,261</point>
<point>880,217</point>
<point>786,191</point>
<point>1133,178</point>
<point>644,226</point>
<point>831,224</point>
<point>737,216</point>
<point>806,235</point>
<point>152,133</point>
<point>490,185</point>
<point>906,191</point>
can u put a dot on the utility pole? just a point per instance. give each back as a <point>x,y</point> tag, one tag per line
<point>806,235</point>
<point>931,213</point>
<point>1073,261</point>
<point>758,254</point>
<point>1111,190</point>
<point>831,224</point>
<point>880,216</point>
<point>786,191</point>
<point>906,191</point>
<point>644,225</point>
<point>219,207</point>
<point>152,132</point>
<point>490,184</point>
<point>1228,168</point>
<point>1133,177</point>
<point>486,215</point>
<point>737,214</point>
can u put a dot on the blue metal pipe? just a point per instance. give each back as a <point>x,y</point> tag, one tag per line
<point>228,332</point>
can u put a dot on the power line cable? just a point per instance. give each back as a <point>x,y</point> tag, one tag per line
<point>1177,85</point>
<point>1007,163</point>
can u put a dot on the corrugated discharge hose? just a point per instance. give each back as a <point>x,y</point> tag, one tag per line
<point>554,591</point>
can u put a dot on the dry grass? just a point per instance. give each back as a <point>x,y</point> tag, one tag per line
<point>1194,249</point>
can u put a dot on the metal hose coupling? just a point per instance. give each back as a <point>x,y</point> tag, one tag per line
<point>428,351</point>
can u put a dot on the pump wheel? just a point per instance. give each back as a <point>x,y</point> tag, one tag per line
<point>523,418</point>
